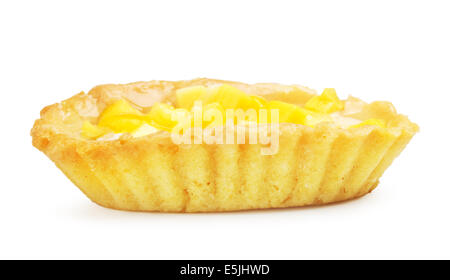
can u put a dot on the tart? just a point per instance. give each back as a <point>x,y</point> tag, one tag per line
<point>116,144</point>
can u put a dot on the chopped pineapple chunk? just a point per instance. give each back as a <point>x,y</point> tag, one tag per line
<point>377,122</point>
<point>187,96</point>
<point>166,117</point>
<point>91,131</point>
<point>302,116</point>
<point>123,123</point>
<point>232,98</point>
<point>162,114</point>
<point>285,110</point>
<point>259,100</point>
<point>326,103</point>
<point>227,95</point>
<point>291,113</point>
<point>120,107</point>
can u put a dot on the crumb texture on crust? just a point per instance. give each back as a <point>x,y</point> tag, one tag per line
<point>313,166</point>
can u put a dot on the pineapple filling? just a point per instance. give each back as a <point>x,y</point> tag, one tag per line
<point>214,103</point>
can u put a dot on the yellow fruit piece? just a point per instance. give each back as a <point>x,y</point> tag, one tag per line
<point>288,113</point>
<point>259,100</point>
<point>285,110</point>
<point>377,122</point>
<point>232,98</point>
<point>143,130</point>
<point>162,114</point>
<point>91,131</point>
<point>120,107</point>
<point>187,96</point>
<point>327,102</point>
<point>252,102</point>
<point>309,118</point>
<point>123,123</point>
<point>166,117</point>
<point>228,96</point>
<point>121,117</point>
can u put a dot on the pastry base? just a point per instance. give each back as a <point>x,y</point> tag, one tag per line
<point>313,166</point>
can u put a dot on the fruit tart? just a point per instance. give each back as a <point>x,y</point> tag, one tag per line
<point>209,145</point>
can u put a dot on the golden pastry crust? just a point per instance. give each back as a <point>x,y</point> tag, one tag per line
<point>313,166</point>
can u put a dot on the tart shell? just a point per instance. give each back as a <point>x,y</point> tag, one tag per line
<point>313,166</point>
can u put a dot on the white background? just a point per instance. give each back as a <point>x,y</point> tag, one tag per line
<point>376,50</point>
